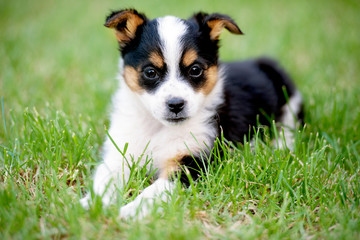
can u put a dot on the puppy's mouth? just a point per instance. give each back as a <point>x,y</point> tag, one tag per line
<point>176,119</point>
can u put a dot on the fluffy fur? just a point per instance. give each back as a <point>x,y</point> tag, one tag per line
<point>175,98</point>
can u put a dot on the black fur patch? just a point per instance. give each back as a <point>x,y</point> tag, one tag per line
<point>254,94</point>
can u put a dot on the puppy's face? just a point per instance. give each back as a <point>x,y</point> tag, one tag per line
<point>170,63</point>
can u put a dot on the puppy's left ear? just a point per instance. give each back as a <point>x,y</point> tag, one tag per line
<point>125,23</point>
<point>216,23</point>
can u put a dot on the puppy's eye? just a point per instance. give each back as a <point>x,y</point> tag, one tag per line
<point>150,73</point>
<point>195,71</point>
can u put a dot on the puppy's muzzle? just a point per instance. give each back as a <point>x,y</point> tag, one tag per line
<point>175,105</point>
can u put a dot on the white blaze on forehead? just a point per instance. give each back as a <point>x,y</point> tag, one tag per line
<point>171,30</point>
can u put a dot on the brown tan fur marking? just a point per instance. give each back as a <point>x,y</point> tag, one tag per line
<point>189,57</point>
<point>131,76</point>
<point>218,25</point>
<point>211,75</point>
<point>133,21</point>
<point>171,166</point>
<point>156,59</point>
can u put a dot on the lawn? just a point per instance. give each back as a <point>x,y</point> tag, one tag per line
<point>57,75</point>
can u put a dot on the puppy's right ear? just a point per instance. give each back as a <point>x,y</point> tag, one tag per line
<point>213,24</point>
<point>125,23</point>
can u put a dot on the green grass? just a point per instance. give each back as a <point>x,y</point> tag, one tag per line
<point>57,74</point>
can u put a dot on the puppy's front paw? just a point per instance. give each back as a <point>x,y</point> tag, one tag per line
<point>136,209</point>
<point>85,202</point>
<point>143,204</point>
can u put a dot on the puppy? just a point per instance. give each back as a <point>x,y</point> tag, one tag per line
<point>175,98</point>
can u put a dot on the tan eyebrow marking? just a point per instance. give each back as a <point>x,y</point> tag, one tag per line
<point>156,59</point>
<point>189,57</point>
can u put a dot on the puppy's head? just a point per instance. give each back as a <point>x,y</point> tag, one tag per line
<point>170,63</point>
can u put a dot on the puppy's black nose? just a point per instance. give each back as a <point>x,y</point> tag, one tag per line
<point>175,104</point>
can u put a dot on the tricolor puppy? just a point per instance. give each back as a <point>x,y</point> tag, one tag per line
<point>175,97</point>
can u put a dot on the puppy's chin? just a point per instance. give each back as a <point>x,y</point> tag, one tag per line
<point>177,121</point>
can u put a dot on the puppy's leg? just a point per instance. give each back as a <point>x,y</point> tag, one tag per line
<point>112,174</point>
<point>290,119</point>
<point>161,189</point>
